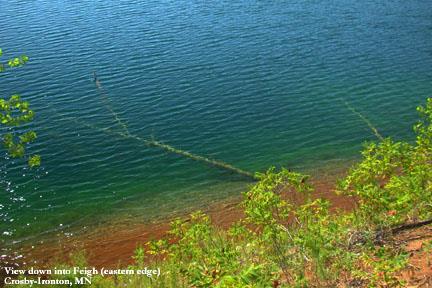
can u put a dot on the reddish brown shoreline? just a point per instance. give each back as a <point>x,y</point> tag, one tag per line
<point>113,246</point>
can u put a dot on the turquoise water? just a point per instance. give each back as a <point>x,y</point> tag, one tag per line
<point>252,83</point>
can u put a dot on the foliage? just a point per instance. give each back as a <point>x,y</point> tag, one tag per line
<point>393,182</point>
<point>15,112</point>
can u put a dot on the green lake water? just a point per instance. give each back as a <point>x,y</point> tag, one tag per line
<point>252,83</point>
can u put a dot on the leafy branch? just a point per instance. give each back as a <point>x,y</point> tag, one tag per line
<point>15,112</point>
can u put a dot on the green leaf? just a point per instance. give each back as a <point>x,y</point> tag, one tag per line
<point>28,137</point>
<point>34,161</point>
<point>24,59</point>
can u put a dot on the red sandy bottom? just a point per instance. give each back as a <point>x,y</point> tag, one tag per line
<point>113,246</point>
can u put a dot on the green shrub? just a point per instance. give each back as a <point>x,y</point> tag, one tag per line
<point>393,182</point>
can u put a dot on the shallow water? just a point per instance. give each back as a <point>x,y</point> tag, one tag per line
<point>251,83</point>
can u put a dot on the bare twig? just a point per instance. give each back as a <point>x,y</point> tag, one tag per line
<point>411,226</point>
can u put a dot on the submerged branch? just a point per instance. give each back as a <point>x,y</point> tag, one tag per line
<point>155,143</point>
<point>170,149</point>
<point>107,103</point>
<point>367,121</point>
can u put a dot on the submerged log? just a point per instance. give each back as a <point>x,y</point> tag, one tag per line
<point>154,143</point>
